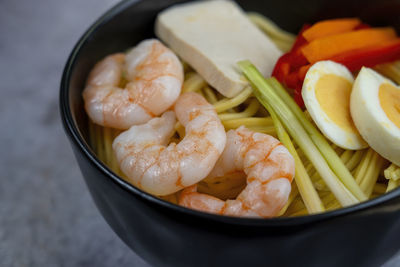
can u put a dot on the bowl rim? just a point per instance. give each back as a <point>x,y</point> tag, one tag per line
<point>73,133</point>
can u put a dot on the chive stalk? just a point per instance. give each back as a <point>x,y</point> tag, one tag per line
<point>267,96</point>
<point>333,160</point>
<point>304,184</point>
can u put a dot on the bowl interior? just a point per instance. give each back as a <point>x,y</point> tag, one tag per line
<point>131,21</point>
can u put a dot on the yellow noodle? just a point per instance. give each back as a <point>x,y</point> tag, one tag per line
<point>271,29</point>
<point>189,75</point>
<point>180,129</point>
<point>175,139</point>
<point>226,103</point>
<point>363,166</point>
<point>349,157</point>
<point>193,84</point>
<point>107,145</point>
<point>247,122</point>
<point>302,212</point>
<point>250,111</point>
<point>210,95</point>
<point>186,68</point>
<point>346,155</point>
<point>108,139</point>
<point>392,172</point>
<point>339,150</point>
<point>92,136</point>
<point>264,129</point>
<point>379,188</point>
<point>200,92</point>
<point>372,173</point>
<point>292,196</point>
<point>100,142</point>
<point>328,200</point>
<point>296,206</point>
<point>310,168</point>
<point>355,159</point>
<point>301,154</point>
<point>392,184</point>
<point>391,70</point>
<point>226,187</point>
<point>114,163</point>
<point>282,45</point>
<point>333,206</point>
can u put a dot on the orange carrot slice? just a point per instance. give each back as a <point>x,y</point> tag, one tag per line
<point>327,47</point>
<point>330,27</point>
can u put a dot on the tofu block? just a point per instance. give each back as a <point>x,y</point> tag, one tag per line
<point>212,36</point>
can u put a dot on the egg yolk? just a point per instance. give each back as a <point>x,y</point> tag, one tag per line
<point>333,95</point>
<point>389,98</point>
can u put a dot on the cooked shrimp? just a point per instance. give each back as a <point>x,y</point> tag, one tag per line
<point>154,77</point>
<point>269,168</point>
<point>161,170</point>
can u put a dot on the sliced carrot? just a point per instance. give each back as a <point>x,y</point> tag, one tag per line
<point>327,47</point>
<point>330,27</point>
<point>370,56</point>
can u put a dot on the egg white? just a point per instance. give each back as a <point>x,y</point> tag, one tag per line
<point>369,117</point>
<point>336,134</point>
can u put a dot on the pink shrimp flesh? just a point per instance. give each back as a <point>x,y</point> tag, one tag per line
<point>154,77</point>
<point>151,165</point>
<point>269,168</point>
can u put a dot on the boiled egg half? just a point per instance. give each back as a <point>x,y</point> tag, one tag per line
<point>326,93</point>
<point>375,108</point>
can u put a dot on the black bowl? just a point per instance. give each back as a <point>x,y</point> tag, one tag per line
<point>168,235</point>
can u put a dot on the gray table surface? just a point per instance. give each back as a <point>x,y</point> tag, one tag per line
<point>47,217</point>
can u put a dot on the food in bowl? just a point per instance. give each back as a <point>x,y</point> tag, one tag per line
<point>192,173</point>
